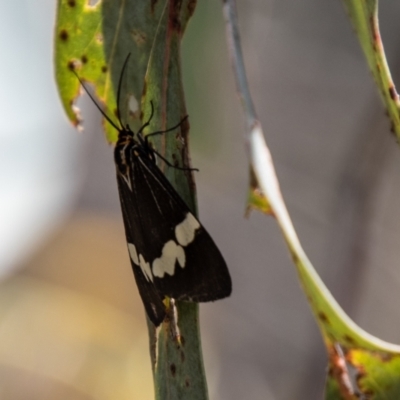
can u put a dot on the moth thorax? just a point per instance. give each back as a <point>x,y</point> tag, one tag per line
<point>123,157</point>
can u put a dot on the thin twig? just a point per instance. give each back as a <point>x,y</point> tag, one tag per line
<point>232,28</point>
<point>260,157</point>
<point>321,300</point>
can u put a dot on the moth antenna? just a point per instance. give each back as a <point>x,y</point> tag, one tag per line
<point>119,90</point>
<point>95,103</point>
<point>167,130</point>
<point>148,121</point>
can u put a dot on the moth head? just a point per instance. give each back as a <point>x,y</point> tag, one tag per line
<point>125,136</point>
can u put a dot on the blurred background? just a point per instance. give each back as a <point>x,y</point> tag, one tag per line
<point>71,322</point>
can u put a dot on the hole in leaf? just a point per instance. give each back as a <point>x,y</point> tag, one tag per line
<point>133,104</point>
<point>73,65</point>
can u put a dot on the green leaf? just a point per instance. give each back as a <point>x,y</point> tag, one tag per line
<point>179,371</point>
<point>95,41</point>
<point>348,346</point>
<point>378,373</point>
<point>351,350</point>
<point>163,86</point>
<point>364,16</point>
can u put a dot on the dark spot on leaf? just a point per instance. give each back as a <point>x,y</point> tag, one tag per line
<point>183,341</point>
<point>71,3</point>
<point>64,35</point>
<point>176,24</point>
<point>368,393</point>
<point>386,357</point>
<point>322,316</point>
<point>104,68</point>
<point>139,37</point>
<point>348,339</point>
<point>392,92</point>
<point>374,30</point>
<point>172,368</point>
<point>153,5</point>
<point>144,89</point>
<point>182,356</point>
<point>174,21</point>
<point>71,65</point>
<point>295,259</point>
<point>84,59</point>
<point>191,7</point>
<point>187,382</point>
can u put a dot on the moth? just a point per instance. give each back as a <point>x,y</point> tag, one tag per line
<point>171,253</point>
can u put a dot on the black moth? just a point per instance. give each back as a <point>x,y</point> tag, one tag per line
<point>170,251</point>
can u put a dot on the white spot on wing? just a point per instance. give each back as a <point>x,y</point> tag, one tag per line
<point>171,253</point>
<point>186,230</point>
<point>133,253</point>
<point>145,266</point>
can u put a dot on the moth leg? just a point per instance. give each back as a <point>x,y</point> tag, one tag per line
<point>172,165</point>
<point>166,131</point>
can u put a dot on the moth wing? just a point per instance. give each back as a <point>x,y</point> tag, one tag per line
<point>168,229</point>
<point>133,224</point>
